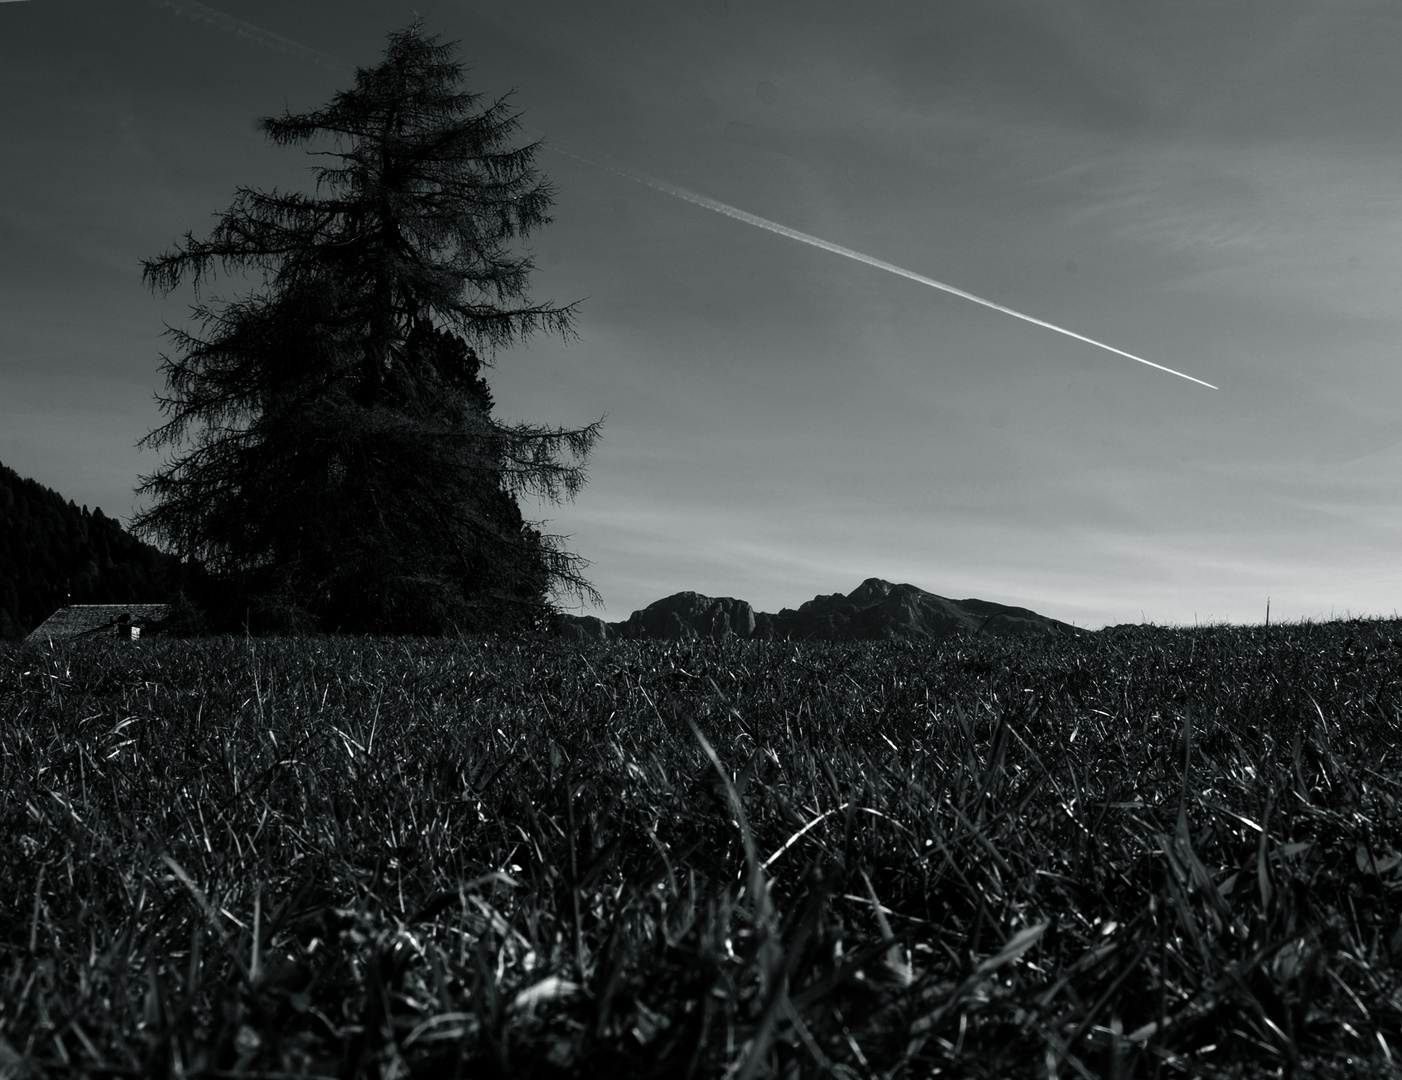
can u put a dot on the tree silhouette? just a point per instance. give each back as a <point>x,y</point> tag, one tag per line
<point>339,461</point>
<point>52,553</point>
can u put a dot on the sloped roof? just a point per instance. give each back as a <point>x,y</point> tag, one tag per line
<point>84,620</point>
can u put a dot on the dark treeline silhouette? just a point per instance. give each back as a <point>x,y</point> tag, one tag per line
<point>52,550</point>
<point>333,462</point>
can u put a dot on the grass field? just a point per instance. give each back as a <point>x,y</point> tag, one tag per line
<point>1142,853</point>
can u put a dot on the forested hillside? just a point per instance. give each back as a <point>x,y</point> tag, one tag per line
<point>51,550</point>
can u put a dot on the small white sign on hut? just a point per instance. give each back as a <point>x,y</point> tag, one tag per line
<point>124,621</point>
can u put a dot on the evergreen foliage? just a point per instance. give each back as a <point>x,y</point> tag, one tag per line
<point>53,552</point>
<point>341,464</point>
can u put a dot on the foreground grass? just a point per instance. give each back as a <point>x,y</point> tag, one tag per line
<point>1145,853</point>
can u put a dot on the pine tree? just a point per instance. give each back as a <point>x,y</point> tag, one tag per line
<point>340,461</point>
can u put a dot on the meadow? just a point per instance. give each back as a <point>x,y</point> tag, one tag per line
<point>1141,853</point>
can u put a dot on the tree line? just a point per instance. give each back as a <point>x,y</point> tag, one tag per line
<point>53,552</point>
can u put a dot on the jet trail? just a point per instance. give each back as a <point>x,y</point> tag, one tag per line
<point>278,43</point>
<point>837,249</point>
<point>192,9</point>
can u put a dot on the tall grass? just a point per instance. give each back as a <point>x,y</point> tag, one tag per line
<point>1143,853</point>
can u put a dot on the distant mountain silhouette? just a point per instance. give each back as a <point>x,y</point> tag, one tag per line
<point>53,553</point>
<point>875,611</point>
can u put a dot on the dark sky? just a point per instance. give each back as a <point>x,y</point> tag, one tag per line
<point>1213,187</point>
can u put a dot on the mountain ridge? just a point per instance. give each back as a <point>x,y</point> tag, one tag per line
<point>877,610</point>
<point>53,553</point>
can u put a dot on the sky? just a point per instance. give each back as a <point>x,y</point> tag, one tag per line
<point>1213,188</point>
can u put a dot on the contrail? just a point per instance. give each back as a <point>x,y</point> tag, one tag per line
<point>247,30</point>
<point>286,46</point>
<point>870,260</point>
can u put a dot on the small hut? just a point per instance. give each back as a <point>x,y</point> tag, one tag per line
<point>124,621</point>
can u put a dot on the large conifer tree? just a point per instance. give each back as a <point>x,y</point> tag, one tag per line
<point>336,450</point>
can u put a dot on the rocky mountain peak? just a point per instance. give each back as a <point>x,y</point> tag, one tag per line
<point>875,610</point>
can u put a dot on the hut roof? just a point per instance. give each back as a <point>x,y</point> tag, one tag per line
<point>83,620</point>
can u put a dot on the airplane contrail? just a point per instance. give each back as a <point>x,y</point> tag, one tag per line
<point>278,43</point>
<point>870,260</point>
<point>191,9</point>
